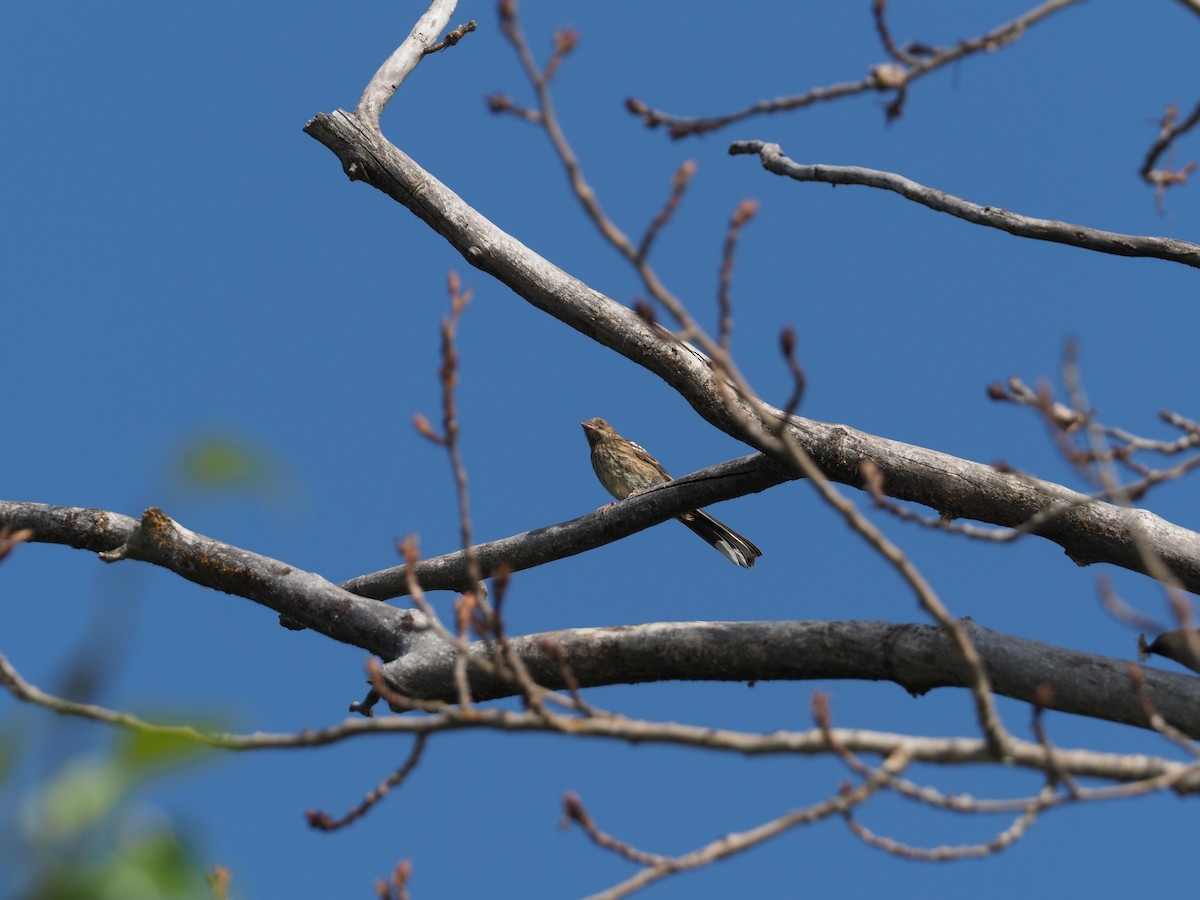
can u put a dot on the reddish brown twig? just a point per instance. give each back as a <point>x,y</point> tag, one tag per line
<point>679,182</point>
<point>787,346</point>
<point>1043,698</point>
<point>408,549</point>
<point>554,650</point>
<point>1122,611</point>
<point>502,103</point>
<point>395,888</point>
<point>745,211</point>
<point>738,842</point>
<point>324,822</point>
<point>1155,719</point>
<point>878,7</point>
<point>1169,129</point>
<point>573,811</point>
<point>10,537</point>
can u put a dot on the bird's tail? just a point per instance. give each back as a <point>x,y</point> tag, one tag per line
<point>735,548</point>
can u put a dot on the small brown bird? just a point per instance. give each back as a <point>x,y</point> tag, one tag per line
<point>625,469</point>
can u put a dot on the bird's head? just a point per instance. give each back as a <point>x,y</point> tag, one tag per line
<point>597,430</point>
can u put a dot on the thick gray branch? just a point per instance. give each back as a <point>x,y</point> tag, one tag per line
<point>956,487</point>
<point>916,657</point>
<point>1088,531</point>
<point>304,597</point>
<point>735,478</point>
<point>1081,236</point>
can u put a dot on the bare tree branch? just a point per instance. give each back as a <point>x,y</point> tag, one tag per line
<point>1002,841</point>
<point>1166,177</point>
<point>431,667</point>
<point>303,596</point>
<point>917,657</point>
<point>325,822</point>
<point>1134,773</point>
<point>756,423</point>
<point>420,42</point>
<point>954,487</point>
<point>1080,236</point>
<point>729,844</point>
<point>884,77</point>
<point>735,478</point>
<point>1088,530</point>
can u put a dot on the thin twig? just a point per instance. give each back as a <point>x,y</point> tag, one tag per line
<point>10,537</point>
<point>883,77</point>
<point>452,37</point>
<point>1157,722</point>
<point>1044,698</point>
<point>324,822</point>
<point>554,650</point>
<point>1136,774</point>
<point>1169,129</point>
<point>459,298</point>
<point>745,211</point>
<point>1122,611</point>
<point>679,182</point>
<point>395,888</point>
<point>878,7</point>
<point>787,346</point>
<point>574,811</point>
<point>1001,841</point>
<point>731,385</point>
<point>1169,249</point>
<point>739,842</point>
<point>930,796</point>
<point>404,59</point>
<point>1105,473</point>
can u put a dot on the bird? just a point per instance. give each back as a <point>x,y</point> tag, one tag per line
<point>626,469</point>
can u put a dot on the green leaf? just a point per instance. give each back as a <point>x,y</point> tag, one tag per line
<point>153,864</point>
<point>224,464</point>
<point>142,753</point>
<point>84,792</point>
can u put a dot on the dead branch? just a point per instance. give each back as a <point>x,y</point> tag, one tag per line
<point>1085,238</point>
<point>914,63</point>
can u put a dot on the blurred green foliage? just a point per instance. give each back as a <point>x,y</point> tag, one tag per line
<point>81,833</point>
<point>74,821</point>
<point>221,462</point>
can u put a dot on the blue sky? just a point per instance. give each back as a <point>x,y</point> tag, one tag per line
<point>184,265</point>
